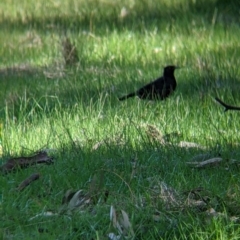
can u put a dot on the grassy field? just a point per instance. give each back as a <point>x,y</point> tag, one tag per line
<point>129,156</point>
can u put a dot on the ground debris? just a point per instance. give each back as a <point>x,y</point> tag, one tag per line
<point>184,144</point>
<point>70,53</point>
<point>121,223</point>
<point>24,162</point>
<point>27,181</point>
<point>212,162</point>
<point>156,135</point>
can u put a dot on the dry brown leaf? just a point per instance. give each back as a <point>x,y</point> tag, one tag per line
<point>79,200</point>
<point>154,134</point>
<point>113,219</point>
<point>126,225</point>
<point>67,196</point>
<point>197,198</point>
<point>184,144</point>
<point>121,222</point>
<point>212,162</point>
<point>173,199</point>
<point>169,196</point>
<point>75,201</point>
<point>213,213</point>
<point>197,204</point>
<point>207,163</point>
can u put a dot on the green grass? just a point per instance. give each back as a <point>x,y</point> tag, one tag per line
<point>70,110</point>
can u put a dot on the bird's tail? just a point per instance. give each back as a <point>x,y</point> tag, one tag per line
<point>127,96</point>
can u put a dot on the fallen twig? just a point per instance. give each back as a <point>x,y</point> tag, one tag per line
<point>24,162</point>
<point>27,181</point>
<point>227,107</point>
<point>209,162</point>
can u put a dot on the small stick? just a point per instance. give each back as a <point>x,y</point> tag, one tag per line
<point>227,107</point>
<point>23,162</point>
<point>27,181</point>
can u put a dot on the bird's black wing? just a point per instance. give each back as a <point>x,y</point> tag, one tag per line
<point>168,87</point>
<point>152,90</point>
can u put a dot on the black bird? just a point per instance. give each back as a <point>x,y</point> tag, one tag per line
<point>159,89</point>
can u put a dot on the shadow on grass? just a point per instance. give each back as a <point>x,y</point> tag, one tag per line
<point>131,176</point>
<point>99,17</point>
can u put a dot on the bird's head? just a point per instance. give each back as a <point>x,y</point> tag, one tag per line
<point>170,69</point>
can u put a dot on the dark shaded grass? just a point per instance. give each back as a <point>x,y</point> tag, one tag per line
<point>76,166</point>
<point>144,15</point>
